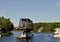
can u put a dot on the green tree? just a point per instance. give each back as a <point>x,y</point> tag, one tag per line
<point>47,27</point>
<point>6,25</point>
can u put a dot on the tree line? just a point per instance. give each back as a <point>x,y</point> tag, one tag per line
<point>6,25</point>
<point>47,27</point>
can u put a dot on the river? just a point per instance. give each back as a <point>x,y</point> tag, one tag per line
<point>38,37</point>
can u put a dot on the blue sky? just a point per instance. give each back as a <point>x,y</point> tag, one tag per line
<point>36,10</point>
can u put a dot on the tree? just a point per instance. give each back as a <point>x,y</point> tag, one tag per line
<point>47,27</point>
<point>6,25</point>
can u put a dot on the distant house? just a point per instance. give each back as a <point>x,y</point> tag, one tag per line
<point>57,32</point>
<point>40,29</point>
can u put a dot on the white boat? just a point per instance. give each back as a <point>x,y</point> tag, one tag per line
<point>0,36</point>
<point>24,36</point>
<point>56,35</point>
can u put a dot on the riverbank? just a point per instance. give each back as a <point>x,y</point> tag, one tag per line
<point>6,34</point>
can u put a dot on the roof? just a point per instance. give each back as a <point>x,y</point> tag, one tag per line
<point>24,19</point>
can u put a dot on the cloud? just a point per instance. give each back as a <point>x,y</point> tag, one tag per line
<point>2,12</point>
<point>58,5</point>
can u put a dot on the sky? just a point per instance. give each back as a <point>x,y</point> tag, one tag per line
<point>36,10</point>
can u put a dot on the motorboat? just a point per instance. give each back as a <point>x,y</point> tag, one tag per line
<point>22,36</point>
<point>0,35</point>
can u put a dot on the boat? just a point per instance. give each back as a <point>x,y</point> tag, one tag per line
<point>26,25</point>
<point>57,36</point>
<point>0,35</point>
<point>22,36</point>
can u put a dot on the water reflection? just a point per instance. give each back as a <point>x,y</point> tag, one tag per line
<point>25,40</point>
<point>28,40</point>
<point>38,37</point>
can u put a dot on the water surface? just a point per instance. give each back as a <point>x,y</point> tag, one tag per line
<point>38,37</point>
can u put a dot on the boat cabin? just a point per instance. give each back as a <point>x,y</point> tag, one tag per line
<point>25,23</point>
